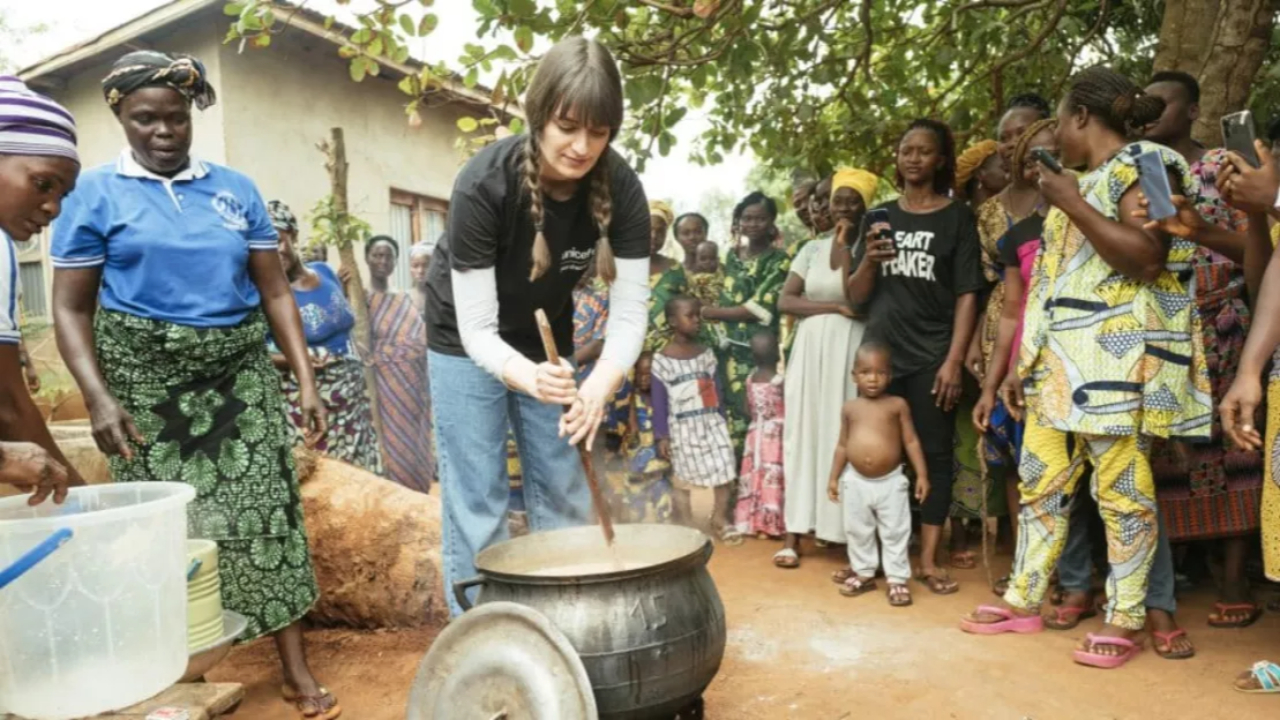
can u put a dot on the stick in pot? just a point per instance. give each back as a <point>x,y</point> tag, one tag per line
<point>597,497</point>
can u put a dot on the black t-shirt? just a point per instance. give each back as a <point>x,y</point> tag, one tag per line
<point>913,306</point>
<point>490,227</point>
<point>1029,229</point>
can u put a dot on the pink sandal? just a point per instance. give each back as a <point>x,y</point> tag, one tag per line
<point>1011,623</point>
<point>1107,662</point>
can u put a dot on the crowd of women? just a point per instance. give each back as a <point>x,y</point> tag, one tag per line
<point>1041,328</point>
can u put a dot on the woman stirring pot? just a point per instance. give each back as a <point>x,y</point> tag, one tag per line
<point>529,213</point>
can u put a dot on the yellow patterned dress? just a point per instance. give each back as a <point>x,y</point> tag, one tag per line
<point>1271,489</point>
<point>1108,363</point>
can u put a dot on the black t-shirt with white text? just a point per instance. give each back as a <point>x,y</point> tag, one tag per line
<point>489,227</point>
<point>913,306</point>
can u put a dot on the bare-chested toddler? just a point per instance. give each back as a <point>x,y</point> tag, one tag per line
<point>867,477</point>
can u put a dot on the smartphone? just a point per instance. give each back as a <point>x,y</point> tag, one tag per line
<point>1154,180</point>
<point>1046,158</point>
<point>878,215</point>
<point>1238,136</point>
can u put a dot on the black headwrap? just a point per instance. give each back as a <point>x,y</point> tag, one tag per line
<point>149,68</point>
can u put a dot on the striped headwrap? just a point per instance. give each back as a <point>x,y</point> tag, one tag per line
<point>149,68</point>
<point>32,124</point>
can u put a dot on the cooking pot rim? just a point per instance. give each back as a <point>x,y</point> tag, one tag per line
<point>695,558</point>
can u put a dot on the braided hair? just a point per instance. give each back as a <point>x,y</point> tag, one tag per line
<point>945,175</point>
<point>577,77</point>
<point>1023,146</point>
<point>1114,100</point>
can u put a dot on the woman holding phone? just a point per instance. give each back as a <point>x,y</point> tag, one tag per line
<point>918,274</point>
<point>1110,358</point>
<point>529,213</point>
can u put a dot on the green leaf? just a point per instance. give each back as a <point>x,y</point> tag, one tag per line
<point>516,126</point>
<point>427,3</point>
<point>408,85</point>
<point>665,141</point>
<point>328,22</point>
<point>406,24</point>
<point>251,22</point>
<point>375,47</point>
<point>358,69</point>
<point>472,78</point>
<point>521,8</point>
<point>362,36</point>
<point>674,116</point>
<point>373,68</point>
<point>401,54</point>
<point>262,41</point>
<point>233,9</point>
<point>524,38</point>
<point>347,52</point>
<point>468,124</point>
<point>427,24</point>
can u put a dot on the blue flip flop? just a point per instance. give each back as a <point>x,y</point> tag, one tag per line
<point>1268,676</point>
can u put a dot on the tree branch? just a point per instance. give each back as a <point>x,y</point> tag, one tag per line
<point>683,12</point>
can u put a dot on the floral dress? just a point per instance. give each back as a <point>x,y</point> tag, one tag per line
<point>1220,493</point>
<point>755,283</point>
<point>761,483</point>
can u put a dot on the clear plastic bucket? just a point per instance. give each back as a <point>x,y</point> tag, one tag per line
<point>101,624</point>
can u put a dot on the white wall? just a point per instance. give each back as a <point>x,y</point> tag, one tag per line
<point>279,103</point>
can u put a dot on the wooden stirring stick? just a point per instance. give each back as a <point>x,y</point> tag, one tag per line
<point>597,497</point>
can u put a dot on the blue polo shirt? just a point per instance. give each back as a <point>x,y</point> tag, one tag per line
<point>171,249</point>
<point>9,291</point>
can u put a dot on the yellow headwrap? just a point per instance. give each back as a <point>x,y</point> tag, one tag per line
<point>863,181</point>
<point>662,210</point>
<point>971,159</point>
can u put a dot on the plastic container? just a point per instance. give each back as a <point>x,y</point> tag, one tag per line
<point>102,623</point>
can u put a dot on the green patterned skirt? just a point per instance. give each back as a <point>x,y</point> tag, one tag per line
<point>208,404</point>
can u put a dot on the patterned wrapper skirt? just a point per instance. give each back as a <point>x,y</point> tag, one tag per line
<point>207,402</point>
<point>351,437</point>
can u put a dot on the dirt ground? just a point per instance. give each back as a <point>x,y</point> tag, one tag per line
<point>797,649</point>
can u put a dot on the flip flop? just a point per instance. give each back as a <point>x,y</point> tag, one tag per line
<point>1167,638</point>
<point>293,696</point>
<point>966,560</point>
<point>899,595</point>
<point>1268,676</point>
<point>838,577</point>
<point>939,584</point>
<point>1107,662</point>
<point>855,586</point>
<point>1011,623</point>
<point>1001,586</point>
<point>787,559</point>
<point>1254,612</point>
<point>1067,617</point>
<point>731,536</point>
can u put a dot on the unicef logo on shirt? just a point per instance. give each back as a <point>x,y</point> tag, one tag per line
<point>232,211</point>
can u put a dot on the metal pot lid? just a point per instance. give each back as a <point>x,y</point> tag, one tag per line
<point>501,661</point>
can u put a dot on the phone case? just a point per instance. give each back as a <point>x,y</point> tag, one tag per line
<point>1238,136</point>
<point>879,215</point>
<point>1154,180</point>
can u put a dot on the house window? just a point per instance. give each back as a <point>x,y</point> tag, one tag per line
<point>414,219</point>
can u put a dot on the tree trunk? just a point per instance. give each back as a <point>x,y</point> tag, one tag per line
<point>1222,43</point>
<point>336,163</point>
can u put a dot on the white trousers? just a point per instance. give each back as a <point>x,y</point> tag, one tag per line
<point>882,504</point>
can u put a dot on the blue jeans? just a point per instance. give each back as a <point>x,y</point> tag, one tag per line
<point>1076,563</point>
<point>473,411</point>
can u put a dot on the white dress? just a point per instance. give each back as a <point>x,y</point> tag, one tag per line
<point>819,382</point>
